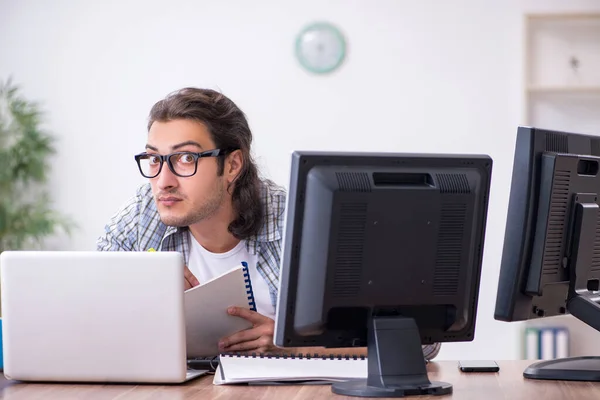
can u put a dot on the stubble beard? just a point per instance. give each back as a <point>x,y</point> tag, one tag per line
<point>201,212</point>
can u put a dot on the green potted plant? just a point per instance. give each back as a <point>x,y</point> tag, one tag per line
<point>26,214</point>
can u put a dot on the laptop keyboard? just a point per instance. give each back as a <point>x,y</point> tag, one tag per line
<point>203,363</point>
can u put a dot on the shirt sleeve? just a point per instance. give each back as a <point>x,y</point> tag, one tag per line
<point>120,233</point>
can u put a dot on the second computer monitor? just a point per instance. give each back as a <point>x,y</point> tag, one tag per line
<point>383,250</point>
<point>551,257</point>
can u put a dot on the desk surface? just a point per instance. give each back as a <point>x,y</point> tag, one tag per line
<point>507,384</point>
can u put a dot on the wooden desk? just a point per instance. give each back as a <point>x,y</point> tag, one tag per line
<point>508,384</point>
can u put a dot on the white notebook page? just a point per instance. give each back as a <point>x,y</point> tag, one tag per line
<point>238,369</point>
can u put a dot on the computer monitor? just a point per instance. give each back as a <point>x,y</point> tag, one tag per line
<point>383,250</point>
<point>551,257</point>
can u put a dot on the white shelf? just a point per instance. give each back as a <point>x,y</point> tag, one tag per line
<point>562,71</point>
<point>563,51</point>
<point>564,89</point>
<point>563,16</point>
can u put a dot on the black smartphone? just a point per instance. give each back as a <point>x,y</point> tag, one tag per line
<point>478,366</point>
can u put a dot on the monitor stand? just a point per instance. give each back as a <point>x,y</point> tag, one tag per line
<point>584,307</point>
<point>582,300</point>
<point>395,362</point>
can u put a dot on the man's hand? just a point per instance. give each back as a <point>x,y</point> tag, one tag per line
<point>189,279</point>
<point>258,339</point>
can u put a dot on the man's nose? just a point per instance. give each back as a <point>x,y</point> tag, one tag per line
<point>166,178</point>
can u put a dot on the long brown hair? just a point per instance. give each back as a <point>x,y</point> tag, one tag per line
<point>229,129</point>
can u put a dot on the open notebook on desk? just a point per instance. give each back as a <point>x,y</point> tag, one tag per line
<point>265,369</point>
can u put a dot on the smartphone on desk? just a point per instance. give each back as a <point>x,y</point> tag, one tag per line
<point>478,366</point>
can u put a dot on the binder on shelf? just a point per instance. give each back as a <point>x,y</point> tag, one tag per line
<point>561,336</point>
<point>546,344</point>
<point>532,344</point>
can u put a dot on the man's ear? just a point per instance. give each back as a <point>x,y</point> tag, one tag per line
<point>233,165</point>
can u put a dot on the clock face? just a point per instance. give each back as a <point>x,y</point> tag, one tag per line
<point>320,48</point>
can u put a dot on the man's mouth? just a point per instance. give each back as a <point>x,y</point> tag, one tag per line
<point>168,200</point>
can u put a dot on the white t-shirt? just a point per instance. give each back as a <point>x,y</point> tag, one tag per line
<point>206,265</point>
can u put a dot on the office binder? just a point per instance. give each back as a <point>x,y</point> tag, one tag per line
<point>248,282</point>
<point>546,344</point>
<point>532,344</point>
<point>561,343</point>
<point>265,369</point>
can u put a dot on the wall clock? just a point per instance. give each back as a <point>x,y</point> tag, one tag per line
<point>320,48</point>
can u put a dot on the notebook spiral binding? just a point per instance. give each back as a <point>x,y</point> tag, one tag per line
<point>299,356</point>
<point>249,290</point>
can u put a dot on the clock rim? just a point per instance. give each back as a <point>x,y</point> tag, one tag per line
<point>340,37</point>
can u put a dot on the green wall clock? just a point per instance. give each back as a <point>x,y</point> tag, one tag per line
<point>320,48</point>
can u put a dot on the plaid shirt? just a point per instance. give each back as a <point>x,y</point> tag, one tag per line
<point>137,227</point>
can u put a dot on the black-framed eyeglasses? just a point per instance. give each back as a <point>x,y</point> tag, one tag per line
<point>181,163</point>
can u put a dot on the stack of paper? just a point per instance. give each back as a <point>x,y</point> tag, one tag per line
<point>244,369</point>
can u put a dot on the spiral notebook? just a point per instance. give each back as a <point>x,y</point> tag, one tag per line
<point>292,369</point>
<point>206,317</point>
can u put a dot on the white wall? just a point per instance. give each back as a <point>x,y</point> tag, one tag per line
<point>421,76</point>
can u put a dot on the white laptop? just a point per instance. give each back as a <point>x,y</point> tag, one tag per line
<point>77,316</point>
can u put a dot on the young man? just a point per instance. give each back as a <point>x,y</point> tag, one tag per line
<point>206,200</point>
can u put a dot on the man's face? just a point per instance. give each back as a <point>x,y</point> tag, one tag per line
<point>185,201</point>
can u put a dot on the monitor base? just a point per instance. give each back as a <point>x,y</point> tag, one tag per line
<point>566,369</point>
<point>395,362</point>
<point>360,388</point>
